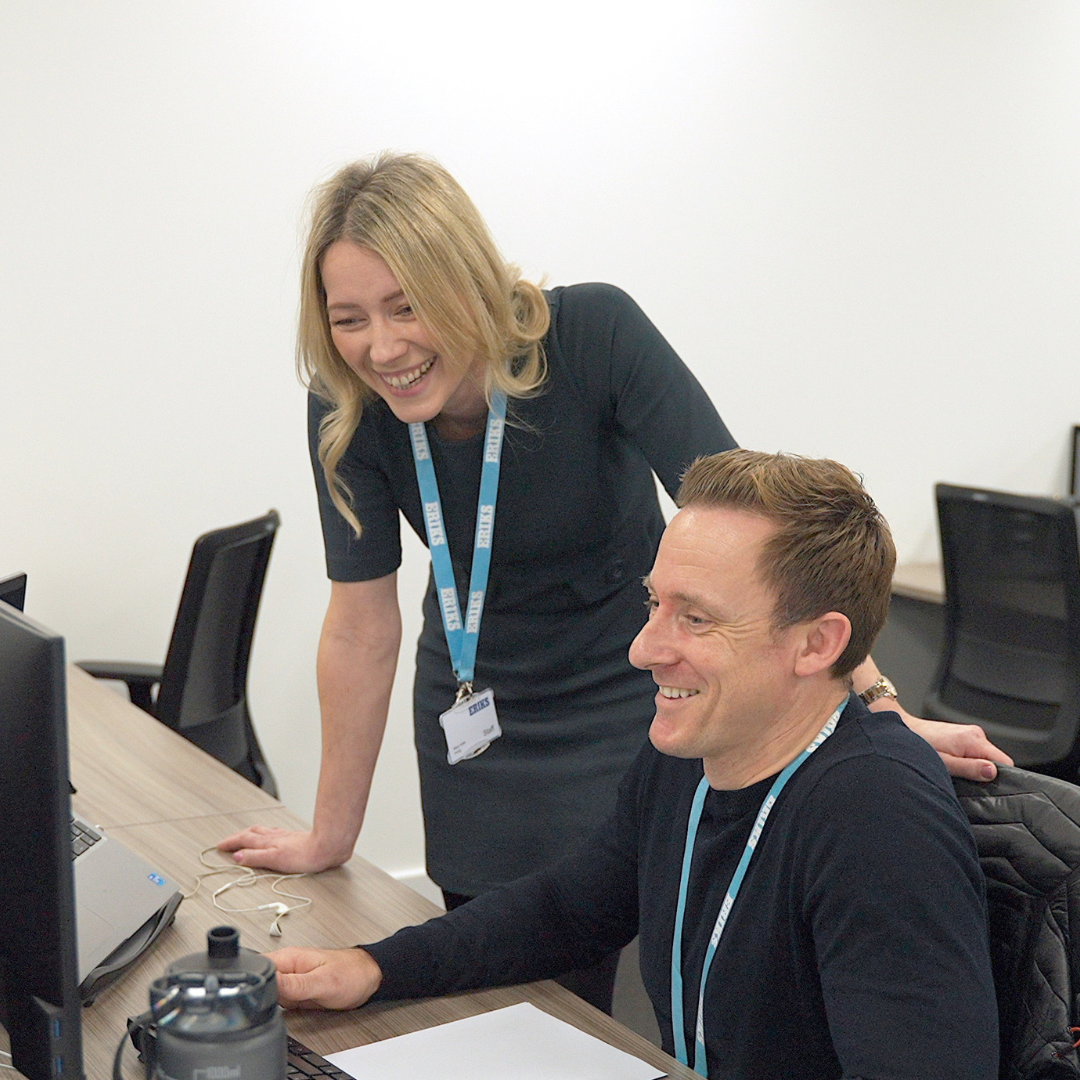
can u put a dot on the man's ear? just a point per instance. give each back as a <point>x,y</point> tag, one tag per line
<point>823,640</point>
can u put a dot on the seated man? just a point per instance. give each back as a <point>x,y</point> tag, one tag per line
<point>803,880</point>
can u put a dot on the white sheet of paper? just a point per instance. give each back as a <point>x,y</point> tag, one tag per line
<point>520,1041</point>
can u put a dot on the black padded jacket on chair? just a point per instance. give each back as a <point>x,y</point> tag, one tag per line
<point>1027,829</point>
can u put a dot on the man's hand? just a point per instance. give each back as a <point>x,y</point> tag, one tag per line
<point>964,748</point>
<point>325,978</point>
<point>269,848</point>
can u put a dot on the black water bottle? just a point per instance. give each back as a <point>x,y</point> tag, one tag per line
<point>217,1015</point>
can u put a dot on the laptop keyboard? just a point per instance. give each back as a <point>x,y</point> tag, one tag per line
<point>303,1062</point>
<point>82,838</point>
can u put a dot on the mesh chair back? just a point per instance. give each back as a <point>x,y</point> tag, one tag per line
<point>1011,660</point>
<point>203,691</point>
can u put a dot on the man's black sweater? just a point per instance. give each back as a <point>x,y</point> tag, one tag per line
<point>856,948</point>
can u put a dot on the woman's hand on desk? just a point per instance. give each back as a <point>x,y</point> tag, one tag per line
<point>264,847</point>
<point>325,978</point>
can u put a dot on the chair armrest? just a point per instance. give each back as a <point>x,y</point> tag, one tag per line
<point>140,678</point>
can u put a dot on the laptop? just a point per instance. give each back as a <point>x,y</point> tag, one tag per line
<point>122,902</point>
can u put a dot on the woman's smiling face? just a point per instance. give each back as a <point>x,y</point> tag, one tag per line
<point>379,336</point>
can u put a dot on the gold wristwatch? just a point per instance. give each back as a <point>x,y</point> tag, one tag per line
<point>882,688</point>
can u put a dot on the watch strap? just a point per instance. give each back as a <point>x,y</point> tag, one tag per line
<point>882,688</point>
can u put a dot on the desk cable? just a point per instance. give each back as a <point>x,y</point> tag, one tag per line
<point>246,877</point>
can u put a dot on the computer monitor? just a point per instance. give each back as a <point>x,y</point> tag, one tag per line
<point>39,991</point>
<point>13,590</point>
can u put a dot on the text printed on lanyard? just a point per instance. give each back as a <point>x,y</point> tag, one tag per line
<point>462,633</point>
<point>677,1004</point>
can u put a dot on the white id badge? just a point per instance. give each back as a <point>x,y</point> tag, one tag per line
<point>470,726</point>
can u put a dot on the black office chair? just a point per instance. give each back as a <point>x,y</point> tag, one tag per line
<point>13,590</point>
<point>1011,658</point>
<point>1027,831</point>
<point>203,683</point>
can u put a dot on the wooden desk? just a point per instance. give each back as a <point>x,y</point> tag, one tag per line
<point>920,581</point>
<point>909,645</point>
<point>168,800</point>
<point>130,770</point>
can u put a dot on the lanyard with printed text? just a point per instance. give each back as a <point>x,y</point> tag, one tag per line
<point>677,1005</point>
<point>461,635</point>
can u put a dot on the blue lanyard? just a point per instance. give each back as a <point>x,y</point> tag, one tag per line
<point>461,635</point>
<point>677,1006</point>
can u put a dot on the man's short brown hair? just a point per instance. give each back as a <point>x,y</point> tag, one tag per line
<point>832,550</point>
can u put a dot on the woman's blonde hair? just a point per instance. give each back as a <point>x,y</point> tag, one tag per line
<point>409,210</point>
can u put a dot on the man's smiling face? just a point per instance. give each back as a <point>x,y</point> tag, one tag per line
<point>721,669</point>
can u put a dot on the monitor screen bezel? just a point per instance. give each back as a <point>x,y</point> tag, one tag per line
<point>39,992</point>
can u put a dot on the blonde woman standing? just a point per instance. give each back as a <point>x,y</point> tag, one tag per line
<point>416,339</point>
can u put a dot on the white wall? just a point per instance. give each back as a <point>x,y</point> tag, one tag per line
<point>857,221</point>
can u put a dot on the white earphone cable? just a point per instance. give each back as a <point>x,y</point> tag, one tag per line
<point>245,879</point>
